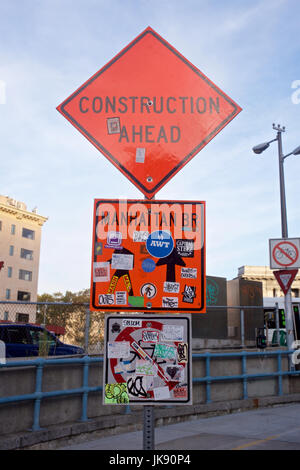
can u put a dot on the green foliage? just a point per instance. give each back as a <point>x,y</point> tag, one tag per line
<point>72,317</point>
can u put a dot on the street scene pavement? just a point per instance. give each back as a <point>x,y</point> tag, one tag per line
<point>276,428</point>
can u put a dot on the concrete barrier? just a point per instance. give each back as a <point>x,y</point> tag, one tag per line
<point>60,411</point>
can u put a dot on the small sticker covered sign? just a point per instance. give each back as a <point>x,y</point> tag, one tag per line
<point>147,359</point>
<point>148,255</point>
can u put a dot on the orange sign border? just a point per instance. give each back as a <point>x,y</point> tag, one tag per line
<point>116,308</point>
<point>151,191</point>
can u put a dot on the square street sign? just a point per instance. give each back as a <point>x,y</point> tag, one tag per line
<point>149,111</point>
<point>147,360</point>
<point>284,253</point>
<point>148,256</point>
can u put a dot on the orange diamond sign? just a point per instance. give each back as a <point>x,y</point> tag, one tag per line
<point>149,111</point>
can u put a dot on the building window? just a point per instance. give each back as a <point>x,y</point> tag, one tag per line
<point>25,275</point>
<point>26,233</point>
<point>295,292</point>
<point>7,294</point>
<point>25,296</point>
<point>9,271</point>
<point>13,229</point>
<point>11,250</point>
<point>26,254</point>
<point>23,317</point>
<point>5,316</point>
<point>274,292</point>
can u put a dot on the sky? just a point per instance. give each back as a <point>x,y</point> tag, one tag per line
<point>248,48</point>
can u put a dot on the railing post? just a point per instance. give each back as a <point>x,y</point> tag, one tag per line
<point>279,369</point>
<point>242,314</point>
<point>85,385</point>
<point>208,382</point>
<point>244,372</point>
<point>38,392</point>
<point>87,330</point>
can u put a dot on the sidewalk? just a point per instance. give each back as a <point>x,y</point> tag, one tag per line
<point>276,428</point>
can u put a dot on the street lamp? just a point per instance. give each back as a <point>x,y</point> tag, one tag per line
<point>284,229</point>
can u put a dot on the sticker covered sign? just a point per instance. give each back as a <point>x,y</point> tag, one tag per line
<point>147,359</point>
<point>148,255</point>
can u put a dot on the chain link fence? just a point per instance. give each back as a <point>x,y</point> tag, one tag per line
<point>72,323</point>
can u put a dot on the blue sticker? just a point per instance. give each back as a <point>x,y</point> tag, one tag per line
<point>160,244</point>
<point>148,265</point>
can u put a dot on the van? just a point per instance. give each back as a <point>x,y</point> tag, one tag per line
<point>29,340</point>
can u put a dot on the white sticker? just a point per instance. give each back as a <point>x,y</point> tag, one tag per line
<point>140,236</point>
<point>170,302</point>
<point>121,298</point>
<point>101,272</point>
<point>140,155</point>
<point>172,333</point>
<point>123,262</point>
<point>161,393</point>
<point>118,349</point>
<point>189,273</point>
<point>106,299</point>
<point>122,367</point>
<point>149,336</point>
<point>143,367</point>
<point>132,322</point>
<point>172,287</point>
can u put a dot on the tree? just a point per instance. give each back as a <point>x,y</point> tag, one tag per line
<point>73,317</point>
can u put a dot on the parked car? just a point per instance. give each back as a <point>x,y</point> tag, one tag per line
<point>28,340</point>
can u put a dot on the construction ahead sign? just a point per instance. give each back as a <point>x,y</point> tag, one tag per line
<point>148,255</point>
<point>149,111</point>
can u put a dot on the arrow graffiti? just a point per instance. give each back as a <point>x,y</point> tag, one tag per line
<point>172,260</point>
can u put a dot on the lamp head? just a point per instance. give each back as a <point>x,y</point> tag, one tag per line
<point>262,147</point>
<point>297,151</point>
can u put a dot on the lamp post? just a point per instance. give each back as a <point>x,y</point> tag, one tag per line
<point>284,228</point>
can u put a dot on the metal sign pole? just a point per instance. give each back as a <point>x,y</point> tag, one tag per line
<point>277,324</point>
<point>148,431</point>
<point>149,423</point>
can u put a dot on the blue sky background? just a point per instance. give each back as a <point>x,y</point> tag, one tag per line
<point>250,49</point>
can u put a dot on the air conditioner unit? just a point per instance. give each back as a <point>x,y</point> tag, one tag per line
<point>232,331</point>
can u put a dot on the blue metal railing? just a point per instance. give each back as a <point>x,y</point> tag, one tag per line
<point>208,379</point>
<point>40,363</point>
<point>38,395</point>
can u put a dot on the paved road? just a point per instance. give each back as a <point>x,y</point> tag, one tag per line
<point>276,428</point>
